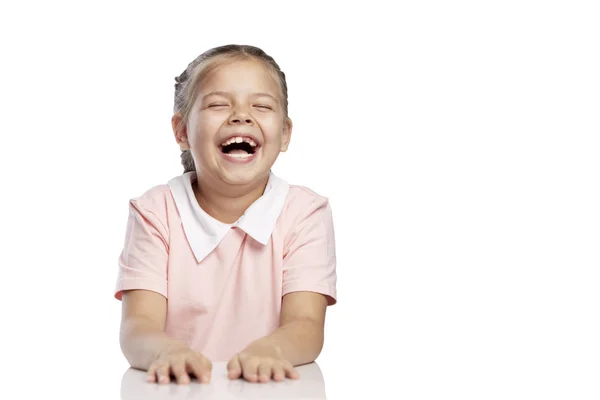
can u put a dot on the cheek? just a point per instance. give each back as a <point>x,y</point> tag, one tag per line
<point>271,126</point>
<point>205,130</point>
<point>274,137</point>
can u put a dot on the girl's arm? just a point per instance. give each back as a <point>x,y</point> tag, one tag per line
<point>142,335</point>
<point>297,341</point>
<point>300,335</point>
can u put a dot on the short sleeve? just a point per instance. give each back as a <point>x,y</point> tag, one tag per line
<point>309,262</point>
<point>144,258</point>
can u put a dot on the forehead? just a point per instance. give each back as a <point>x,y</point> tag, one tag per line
<point>240,76</point>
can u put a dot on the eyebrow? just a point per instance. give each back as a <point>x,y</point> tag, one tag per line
<point>227,94</point>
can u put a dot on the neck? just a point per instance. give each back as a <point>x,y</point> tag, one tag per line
<point>223,203</point>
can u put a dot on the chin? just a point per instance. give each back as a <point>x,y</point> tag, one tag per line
<point>244,176</point>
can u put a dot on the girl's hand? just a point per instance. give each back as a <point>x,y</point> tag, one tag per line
<point>180,363</point>
<point>261,362</point>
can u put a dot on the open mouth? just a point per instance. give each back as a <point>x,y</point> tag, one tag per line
<point>238,146</point>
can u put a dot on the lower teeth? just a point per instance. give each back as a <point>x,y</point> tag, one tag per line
<point>240,155</point>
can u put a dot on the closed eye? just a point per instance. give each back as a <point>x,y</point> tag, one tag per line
<point>217,105</point>
<point>263,107</point>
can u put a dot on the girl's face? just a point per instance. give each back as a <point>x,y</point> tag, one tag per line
<point>236,127</point>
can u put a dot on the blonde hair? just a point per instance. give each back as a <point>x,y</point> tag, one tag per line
<point>186,83</point>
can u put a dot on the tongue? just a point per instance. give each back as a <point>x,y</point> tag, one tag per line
<point>238,151</point>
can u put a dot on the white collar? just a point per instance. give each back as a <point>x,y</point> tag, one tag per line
<point>204,232</point>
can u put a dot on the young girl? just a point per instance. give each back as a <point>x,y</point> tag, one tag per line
<point>227,262</point>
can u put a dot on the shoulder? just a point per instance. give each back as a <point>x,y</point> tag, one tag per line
<point>154,199</point>
<point>301,196</point>
<point>303,202</point>
<point>306,218</point>
<point>155,204</point>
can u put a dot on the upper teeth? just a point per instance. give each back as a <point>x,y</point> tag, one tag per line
<point>239,139</point>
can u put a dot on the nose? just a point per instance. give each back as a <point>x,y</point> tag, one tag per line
<point>241,117</point>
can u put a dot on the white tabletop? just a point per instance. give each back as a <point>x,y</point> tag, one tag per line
<point>310,386</point>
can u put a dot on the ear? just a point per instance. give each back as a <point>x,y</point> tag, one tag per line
<point>180,131</point>
<point>286,134</point>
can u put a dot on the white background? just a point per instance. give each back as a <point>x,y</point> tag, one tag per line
<point>458,143</point>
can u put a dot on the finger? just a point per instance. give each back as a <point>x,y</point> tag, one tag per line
<point>208,365</point>
<point>201,367</point>
<point>179,371</point>
<point>162,373</point>
<point>250,369</point>
<point>234,368</point>
<point>278,372</point>
<point>152,373</point>
<point>265,371</point>
<point>290,371</point>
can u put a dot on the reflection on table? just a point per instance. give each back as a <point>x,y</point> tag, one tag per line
<point>310,386</point>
